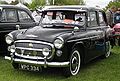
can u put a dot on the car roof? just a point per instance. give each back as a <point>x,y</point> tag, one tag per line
<point>71,8</point>
<point>17,7</point>
<point>13,7</point>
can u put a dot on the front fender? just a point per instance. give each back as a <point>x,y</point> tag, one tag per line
<point>15,33</point>
<point>78,44</point>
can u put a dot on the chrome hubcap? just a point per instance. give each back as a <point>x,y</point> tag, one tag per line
<point>75,63</point>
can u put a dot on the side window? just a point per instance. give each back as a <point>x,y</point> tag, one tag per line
<point>9,15</point>
<point>101,19</point>
<point>93,19</point>
<point>24,17</point>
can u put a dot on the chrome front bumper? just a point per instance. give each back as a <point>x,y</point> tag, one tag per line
<point>38,63</point>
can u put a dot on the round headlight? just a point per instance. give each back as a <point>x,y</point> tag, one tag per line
<point>9,39</point>
<point>58,43</point>
<point>46,51</point>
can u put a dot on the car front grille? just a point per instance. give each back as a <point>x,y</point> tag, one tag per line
<point>35,45</point>
<point>32,48</point>
<point>29,52</point>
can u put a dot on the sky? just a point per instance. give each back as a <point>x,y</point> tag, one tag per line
<point>101,3</point>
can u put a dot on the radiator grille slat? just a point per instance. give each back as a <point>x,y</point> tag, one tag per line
<point>23,48</point>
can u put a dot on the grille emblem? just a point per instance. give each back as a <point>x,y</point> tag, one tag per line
<point>31,35</point>
<point>30,45</point>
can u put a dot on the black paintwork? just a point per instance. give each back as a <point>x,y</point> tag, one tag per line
<point>44,34</point>
<point>10,26</point>
<point>89,39</point>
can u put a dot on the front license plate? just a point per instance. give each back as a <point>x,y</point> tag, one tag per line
<point>29,67</point>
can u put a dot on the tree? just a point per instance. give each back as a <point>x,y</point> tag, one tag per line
<point>116,0</point>
<point>112,3</point>
<point>37,3</point>
<point>26,4</point>
<point>17,1</point>
<point>14,2</point>
<point>67,2</point>
<point>3,2</point>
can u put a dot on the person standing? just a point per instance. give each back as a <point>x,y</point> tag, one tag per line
<point>117,16</point>
<point>110,21</point>
<point>110,16</point>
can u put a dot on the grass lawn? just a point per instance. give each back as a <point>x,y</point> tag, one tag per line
<point>96,70</point>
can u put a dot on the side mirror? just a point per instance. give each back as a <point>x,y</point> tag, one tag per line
<point>18,27</point>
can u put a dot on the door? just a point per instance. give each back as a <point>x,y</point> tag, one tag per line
<point>25,20</point>
<point>8,20</point>
<point>96,36</point>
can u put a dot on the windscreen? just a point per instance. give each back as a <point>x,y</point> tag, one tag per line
<point>70,18</point>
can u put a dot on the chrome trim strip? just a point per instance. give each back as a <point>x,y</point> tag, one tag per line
<point>30,35</point>
<point>40,63</point>
<point>31,41</point>
<point>95,37</point>
<point>22,48</point>
<point>78,39</point>
<point>60,38</point>
<point>29,57</point>
<point>84,38</point>
<point>67,9</point>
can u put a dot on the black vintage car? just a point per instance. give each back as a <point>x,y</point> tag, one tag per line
<point>67,37</point>
<point>12,18</point>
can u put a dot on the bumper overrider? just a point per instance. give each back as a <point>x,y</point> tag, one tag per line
<point>35,60</point>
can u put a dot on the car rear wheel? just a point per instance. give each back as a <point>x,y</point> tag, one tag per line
<point>75,62</point>
<point>15,65</point>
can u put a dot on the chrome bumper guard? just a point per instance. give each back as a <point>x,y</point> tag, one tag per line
<point>38,63</point>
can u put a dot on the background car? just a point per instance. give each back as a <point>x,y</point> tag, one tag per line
<point>13,18</point>
<point>67,37</point>
<point>116,33</point>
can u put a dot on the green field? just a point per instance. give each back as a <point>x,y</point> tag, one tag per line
<point>96,70</point>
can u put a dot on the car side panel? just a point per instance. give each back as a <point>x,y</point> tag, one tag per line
<point>7,26</point>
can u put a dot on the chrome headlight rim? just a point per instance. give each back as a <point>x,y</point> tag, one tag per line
<point>9,39</point>
<point>59,42</point>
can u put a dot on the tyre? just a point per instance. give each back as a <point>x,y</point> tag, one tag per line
<point>107,49</point>
<point>15,65</point>
<point>75,63</point>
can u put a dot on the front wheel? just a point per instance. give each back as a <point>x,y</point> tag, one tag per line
<point>15,65</point>
<point>75,62</point>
